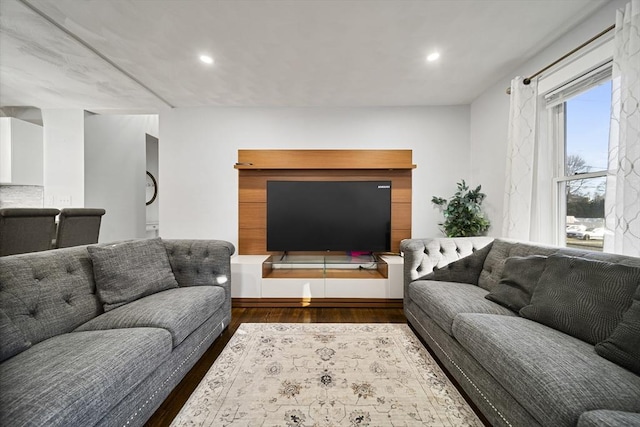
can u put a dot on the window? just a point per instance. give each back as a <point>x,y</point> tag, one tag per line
<point>581,116</point>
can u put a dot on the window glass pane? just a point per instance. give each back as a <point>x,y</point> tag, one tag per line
<point>587,130</point>
<point>585,213</point>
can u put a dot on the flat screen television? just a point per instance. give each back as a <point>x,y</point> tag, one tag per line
<point>329,216</point>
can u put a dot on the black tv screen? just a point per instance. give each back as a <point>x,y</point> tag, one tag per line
<point>329,216</point>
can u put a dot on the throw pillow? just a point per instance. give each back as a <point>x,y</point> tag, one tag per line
<point>582,297</point>
<point>13,340</point>
<point>623,346</point>
<point>465,270</point>
<point>519,278</point>
<point>127,271</point>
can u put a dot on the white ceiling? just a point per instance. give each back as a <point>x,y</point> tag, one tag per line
<point>143,55</point>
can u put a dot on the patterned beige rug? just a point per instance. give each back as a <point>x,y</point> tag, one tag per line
<point>328,374</point>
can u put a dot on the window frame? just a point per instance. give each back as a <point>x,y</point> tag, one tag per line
<point>556,103</point>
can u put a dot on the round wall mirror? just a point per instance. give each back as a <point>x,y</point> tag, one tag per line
<point>151,188</point>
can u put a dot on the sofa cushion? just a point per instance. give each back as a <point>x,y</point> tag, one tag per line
<point>583,298</point>
<point>519,278</point>
<point>465,270</point>
<point>75,379</point>
<point>554,376</point>
<point>443,301</point>
<point>127,271</point>
<point>13,340</point>
<point>603,418</point>
<point>623,346</point>
<point>180,311</point>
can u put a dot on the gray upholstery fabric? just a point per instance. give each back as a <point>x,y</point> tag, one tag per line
<point>13,340</point>
<point>143,401</point>
<point>602,418</point>
<point>623,345</point>
<point>504,248</point>
<point>519,278</point>
<point>202,262</point>
<point>130,270</point>
<point>465,270</point>
<point>57,314</point>
<point>75,379</point>
<point>495,403</point>
<point>443,301</point>
<point>554,376</point>
<point>180,311</point>
<point>583,298</point>
<point>48,293</point>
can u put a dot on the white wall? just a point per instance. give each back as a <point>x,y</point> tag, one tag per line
<point>21,152</point>
<point>490,113</point>
<point>199,148</point>
<point>115,172</point>
<point>63,158</point>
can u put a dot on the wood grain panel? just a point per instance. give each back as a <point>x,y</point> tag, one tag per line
<point>401,215</point>
<point>251,188</point>
<point>252,215</point>
<point>309,165</point>
<point>252,241</point>
<point>396,237</point>
<point>324,159</point>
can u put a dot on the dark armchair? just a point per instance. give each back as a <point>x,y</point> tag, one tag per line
<point>78,226</point>
<point>26,230</point>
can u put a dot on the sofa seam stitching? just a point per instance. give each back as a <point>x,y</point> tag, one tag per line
<point>161,386</point>
<point>462,372</point>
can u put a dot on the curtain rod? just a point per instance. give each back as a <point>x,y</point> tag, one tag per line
<point>527,80</point>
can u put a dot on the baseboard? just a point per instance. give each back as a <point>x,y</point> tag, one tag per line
<point>317,302</point>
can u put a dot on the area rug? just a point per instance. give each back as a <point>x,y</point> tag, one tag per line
<point>328,374</point>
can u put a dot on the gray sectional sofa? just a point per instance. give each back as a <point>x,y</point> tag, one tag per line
<point>100,335</point>
<point>535,335</point>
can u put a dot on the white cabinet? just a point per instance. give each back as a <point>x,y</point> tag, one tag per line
<point>246,276</point>
<point>21,152</point>
<point>250,279</point>
<point>305,288</point>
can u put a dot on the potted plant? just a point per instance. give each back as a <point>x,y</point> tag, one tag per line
<point>463,216</point>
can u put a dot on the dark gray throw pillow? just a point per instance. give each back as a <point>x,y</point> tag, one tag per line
<point>465,270</point>
<point>582,297</point>
<point>519,279</point>
<point>623,346</point>
<point>125,272</point>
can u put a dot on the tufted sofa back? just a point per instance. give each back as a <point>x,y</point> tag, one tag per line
<point>48,293</point>
<point>44,294</point>
<point>421,256</point>
<point>202,262</point>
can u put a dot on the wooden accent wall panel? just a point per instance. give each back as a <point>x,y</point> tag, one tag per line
<point>316,165</point>
<point>324,159</point>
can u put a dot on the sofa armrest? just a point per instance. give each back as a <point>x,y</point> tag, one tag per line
<point>421,256</point>
<point>202,262</point>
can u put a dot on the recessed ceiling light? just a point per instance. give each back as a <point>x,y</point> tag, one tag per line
<point>433,56</point>
<point>206,59</point>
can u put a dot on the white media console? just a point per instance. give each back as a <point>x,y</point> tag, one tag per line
<point>264,280</point>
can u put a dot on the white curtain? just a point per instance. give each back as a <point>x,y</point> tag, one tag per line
<point>526,213</point>
<point>622,203</point>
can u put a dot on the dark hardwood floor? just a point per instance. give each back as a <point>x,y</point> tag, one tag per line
<point>172,405</point>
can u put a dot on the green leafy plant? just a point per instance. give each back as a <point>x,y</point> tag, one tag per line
<point>463,216</point>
